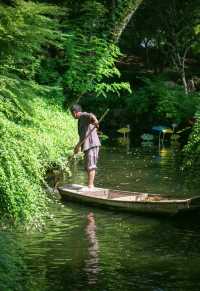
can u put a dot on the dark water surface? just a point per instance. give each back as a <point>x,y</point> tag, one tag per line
<point>84,248</point>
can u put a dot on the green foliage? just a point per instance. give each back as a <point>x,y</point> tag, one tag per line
<point>168,41</point>
<point>91,61</point>
<point>32,126</point>
<point>191,152</point>
<point>27,149</point>
<point>86,59</point>
<point>164,100</point>
<point>92,17</point>
<point>23,30</point>
<point>162,39</point>
<point>171,101</point>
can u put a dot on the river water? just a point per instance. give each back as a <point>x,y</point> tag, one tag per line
<point>85,248</point>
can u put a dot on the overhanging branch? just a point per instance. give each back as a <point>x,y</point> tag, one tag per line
<point>123,14</point>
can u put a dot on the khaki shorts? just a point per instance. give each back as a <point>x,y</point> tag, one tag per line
<point>91,158</point>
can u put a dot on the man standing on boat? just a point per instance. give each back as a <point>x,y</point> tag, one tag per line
<point>89,142</point>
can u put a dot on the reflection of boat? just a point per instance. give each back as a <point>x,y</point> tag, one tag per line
<point>131,201</point>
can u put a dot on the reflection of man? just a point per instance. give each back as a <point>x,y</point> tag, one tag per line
<point>88,141</point>
<point>92,263</point>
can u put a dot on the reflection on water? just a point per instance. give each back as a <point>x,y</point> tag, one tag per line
<point>12,266</point>
<point>92,262</point>
<point>130,253</point>
<point>85,248</point>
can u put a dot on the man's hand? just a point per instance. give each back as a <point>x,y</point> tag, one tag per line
<point>96,124</point>
<point>94,120</point>
<point>77,149</point>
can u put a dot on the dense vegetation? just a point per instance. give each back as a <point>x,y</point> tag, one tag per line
<point>49,57</point>
<point>54,53</point>
<point>162,45</point>
<point>161,59</point>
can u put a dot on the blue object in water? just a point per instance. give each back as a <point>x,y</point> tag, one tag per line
<point>159,128</point>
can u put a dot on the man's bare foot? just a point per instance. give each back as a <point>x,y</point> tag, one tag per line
<point>87,189</point>
<point>91,188</point>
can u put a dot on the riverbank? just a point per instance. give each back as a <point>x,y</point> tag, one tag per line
<point>36,136</point>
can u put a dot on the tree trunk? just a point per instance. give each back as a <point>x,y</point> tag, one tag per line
<point>184,82</point>
<point>183,70</point>
<point>123,15</point>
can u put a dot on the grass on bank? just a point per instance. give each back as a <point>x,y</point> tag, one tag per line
<point>27,148</point>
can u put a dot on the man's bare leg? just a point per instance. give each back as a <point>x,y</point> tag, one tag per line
<point>91,176</point>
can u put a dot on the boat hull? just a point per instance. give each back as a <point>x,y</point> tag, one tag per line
<point>104,199</point>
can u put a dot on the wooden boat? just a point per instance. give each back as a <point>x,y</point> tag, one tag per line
<point>131,201</point>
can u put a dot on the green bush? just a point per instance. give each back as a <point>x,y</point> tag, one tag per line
<point>34,130</point>
<point>163,99</point>
<point>191,152</point>
<point>27,148</point>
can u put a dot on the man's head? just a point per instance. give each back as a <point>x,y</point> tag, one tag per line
<point>76,110</point>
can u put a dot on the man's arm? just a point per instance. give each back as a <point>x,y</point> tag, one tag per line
<point>94,120</point>
<point>91,120</point>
